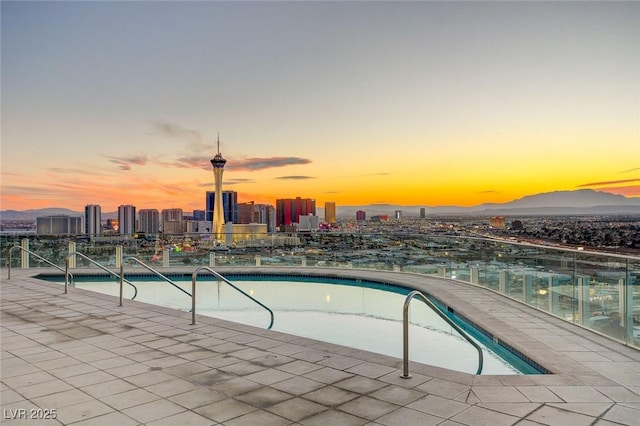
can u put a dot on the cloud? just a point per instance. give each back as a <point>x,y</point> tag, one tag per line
<point>226,182</point>
<point>32,190</point>
<point>295,177</point>
<point>191,162</point>
<point>606,183</point>
<point>170,130</point>
<point>379,174</point>
<point>124,163</point>
<point>631,170</point>
<point>238,181</point>
<point>489,191</point>
<point>75,171</point>
<point>253,164</point>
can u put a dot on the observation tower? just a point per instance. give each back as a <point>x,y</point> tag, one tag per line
<point>218,211</point>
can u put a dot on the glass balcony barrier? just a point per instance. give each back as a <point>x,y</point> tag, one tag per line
<point>594,290</point>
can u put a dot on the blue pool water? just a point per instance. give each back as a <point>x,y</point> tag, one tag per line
<point>359,314</point>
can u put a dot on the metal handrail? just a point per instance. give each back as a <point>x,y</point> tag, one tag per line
<point>66,272</point>
<point>33,254</point>
<point>217,275</point>
<point>405,331</point>
<point>131,258</point>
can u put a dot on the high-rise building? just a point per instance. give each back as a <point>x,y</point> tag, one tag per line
<point>199,215</point>
<point>149,221</point>
<point>497,222</point>
<point>92,219</point>
<point>257,213</point>
<point>229,206</point>
<point>398,214</point>
<point>289,210</point>
<point>361,215</point>
<point>423,213</point>
<point>59,225</point>
<point>330,212</point>
<point>218,215</point>
<point>245,212</point>
<point>308,222</point>
<point>126,219</point>
<point>172,221</point>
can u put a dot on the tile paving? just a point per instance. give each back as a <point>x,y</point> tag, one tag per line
<point>96,363</point>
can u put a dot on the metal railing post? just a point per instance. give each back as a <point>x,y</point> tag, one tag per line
<point>121,280</point>
<point>66,273</point>
<point>193,299</point>
<point>405,340</point>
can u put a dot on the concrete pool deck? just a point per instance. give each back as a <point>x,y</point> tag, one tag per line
<point>96,363</point>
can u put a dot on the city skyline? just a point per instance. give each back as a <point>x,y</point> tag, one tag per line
<point>421,103</point>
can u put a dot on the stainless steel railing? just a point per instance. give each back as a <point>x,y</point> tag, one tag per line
<point>32,254</point>
<point>194,276</point>
<point>75,253</point>
<point>149,268</point>
<point>405,331</point>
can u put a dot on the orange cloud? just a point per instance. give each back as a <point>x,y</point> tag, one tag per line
<point>627,191</point>
<point>610,182</point>
<point>253,164</point>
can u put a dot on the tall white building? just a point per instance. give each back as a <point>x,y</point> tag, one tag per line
<point>149,221</point>
<point>218,213</point>
<point>172,221</point>
<point>59,225</point>
<point>308,223</point>
<point>126,219</point>
<point>92,219</point>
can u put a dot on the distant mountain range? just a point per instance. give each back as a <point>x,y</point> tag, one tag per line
<point>580,202</point>
<point>52,211</point>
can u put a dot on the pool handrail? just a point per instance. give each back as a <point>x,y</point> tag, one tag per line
<point>149,268</point>
<point>194,276</point>
<point>405,331</point>
<point>75,253</point>
<point>33,254</point>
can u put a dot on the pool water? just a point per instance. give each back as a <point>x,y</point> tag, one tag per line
<point>362,315</point>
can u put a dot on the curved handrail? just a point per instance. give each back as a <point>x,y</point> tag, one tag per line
<point>132,258</point>
<point>33,254</point>
<point>217,275</point>
<point>405,331</point>
<point>66,272</point>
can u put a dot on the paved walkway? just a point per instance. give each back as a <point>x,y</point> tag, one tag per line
<point>86,361</point>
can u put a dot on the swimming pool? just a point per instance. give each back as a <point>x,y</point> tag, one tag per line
<point>360,314</point>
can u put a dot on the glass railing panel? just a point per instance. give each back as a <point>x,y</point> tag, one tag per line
<point>583,287</point>
<point>603,285</point>
<point>633,303</point>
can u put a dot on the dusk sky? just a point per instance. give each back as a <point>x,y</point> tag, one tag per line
<point>416,103</point>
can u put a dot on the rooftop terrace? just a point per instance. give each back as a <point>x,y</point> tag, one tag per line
<point>94,362</point>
